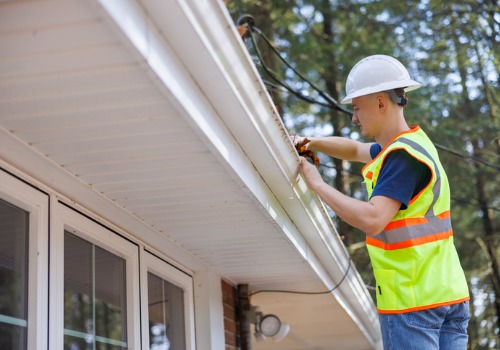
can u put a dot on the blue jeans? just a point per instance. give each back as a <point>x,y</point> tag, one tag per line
<point>443,328</point>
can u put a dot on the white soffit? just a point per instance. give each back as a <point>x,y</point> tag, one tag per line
<point>171,138</point>
<point>276,162</point>
<point>84,113</point>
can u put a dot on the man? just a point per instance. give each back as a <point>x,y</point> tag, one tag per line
<point>422,293</point>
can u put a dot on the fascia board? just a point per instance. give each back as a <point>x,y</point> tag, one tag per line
<point>255,145</point>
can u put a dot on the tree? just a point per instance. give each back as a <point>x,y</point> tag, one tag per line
<point>450,47</point>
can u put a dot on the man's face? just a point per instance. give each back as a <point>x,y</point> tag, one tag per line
<point>365,114</point>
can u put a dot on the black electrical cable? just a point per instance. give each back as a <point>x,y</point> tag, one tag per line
<point>307,293</point>
<point>474,204</point>
<point>297,94</point>
<point>475,159</point>
<point>274,76</point>
<point>330,101</point>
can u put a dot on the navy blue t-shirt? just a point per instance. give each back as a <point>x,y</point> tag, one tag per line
<point>401,177</point>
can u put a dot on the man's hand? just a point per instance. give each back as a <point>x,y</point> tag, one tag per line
<point>301,145</point>
<point>296,139</point>
<point>311,174</point>
<point>370,217</point>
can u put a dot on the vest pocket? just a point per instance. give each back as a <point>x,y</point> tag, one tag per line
<point>386,289</point>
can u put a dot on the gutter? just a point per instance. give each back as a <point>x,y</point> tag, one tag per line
<point>251,139</point>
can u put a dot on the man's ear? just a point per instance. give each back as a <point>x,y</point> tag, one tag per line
<point>382,103</point>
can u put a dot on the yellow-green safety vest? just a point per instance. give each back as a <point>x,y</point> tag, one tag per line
<point>414,259</point>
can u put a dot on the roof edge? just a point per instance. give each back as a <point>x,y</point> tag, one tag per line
<point>232,86</point>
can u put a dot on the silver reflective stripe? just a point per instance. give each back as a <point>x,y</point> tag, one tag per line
<point>432,226</point>
<point>364,191</point>
<point>436,189</point>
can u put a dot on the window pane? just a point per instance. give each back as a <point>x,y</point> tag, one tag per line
<point>166,315</point>
<point>94,297</point>
<point>102,346</point>
<point>13,276</point>
<point>110,303</point>
<point>12,337</point>
<point>77,343</point>
<point>78,284</point>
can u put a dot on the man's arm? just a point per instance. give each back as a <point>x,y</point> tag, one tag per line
<point>340,147</point>
<point>371,217</point>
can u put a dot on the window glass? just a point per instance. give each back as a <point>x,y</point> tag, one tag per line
<point>166,315</point>
<point>14,233</point>
<point>94,297</point>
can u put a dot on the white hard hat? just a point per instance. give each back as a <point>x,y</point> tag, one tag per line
<point>377,73</point>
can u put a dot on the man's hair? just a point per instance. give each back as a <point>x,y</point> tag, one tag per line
<point>398,98</point>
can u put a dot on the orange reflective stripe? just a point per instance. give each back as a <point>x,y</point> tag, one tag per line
<point>444,215</point>
<point>426,307</point>
<point>413,228</point>
<point>405,222</point>
<point>404,255</point>
<point>411,242</point>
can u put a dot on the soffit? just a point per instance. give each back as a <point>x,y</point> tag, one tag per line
<point>72,91</point>
<point>83,101</point>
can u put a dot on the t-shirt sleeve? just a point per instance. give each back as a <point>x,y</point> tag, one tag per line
<point>375,150</point>
<point>401,177</point>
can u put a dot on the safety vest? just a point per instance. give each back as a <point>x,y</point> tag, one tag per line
<point>415,262</point>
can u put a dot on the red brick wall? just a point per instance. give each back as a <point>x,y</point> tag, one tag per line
<point>229,301</point>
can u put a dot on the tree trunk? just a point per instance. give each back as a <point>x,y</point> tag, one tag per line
<point>476,140</point>
<point>337,120</point>
<point>489,232</point>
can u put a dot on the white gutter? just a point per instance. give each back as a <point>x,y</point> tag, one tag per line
<point>254,145</point>
<point>316,227</point>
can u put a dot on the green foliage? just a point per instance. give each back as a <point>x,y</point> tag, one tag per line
<point>450,47</point>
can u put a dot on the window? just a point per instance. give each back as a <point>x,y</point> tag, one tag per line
<point>23,264</point>
<point>94,297</point>
<point>14,239</point>
<point>169,320</point>
<point>95,286</point>
<point>166,314</point>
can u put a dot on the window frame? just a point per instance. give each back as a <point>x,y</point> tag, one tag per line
<point>152,263</point>
<point>36,203</point>
<point>68,219</point>
<point>50,215</point>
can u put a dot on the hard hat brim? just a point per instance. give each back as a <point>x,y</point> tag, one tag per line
<point>408,85</point>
